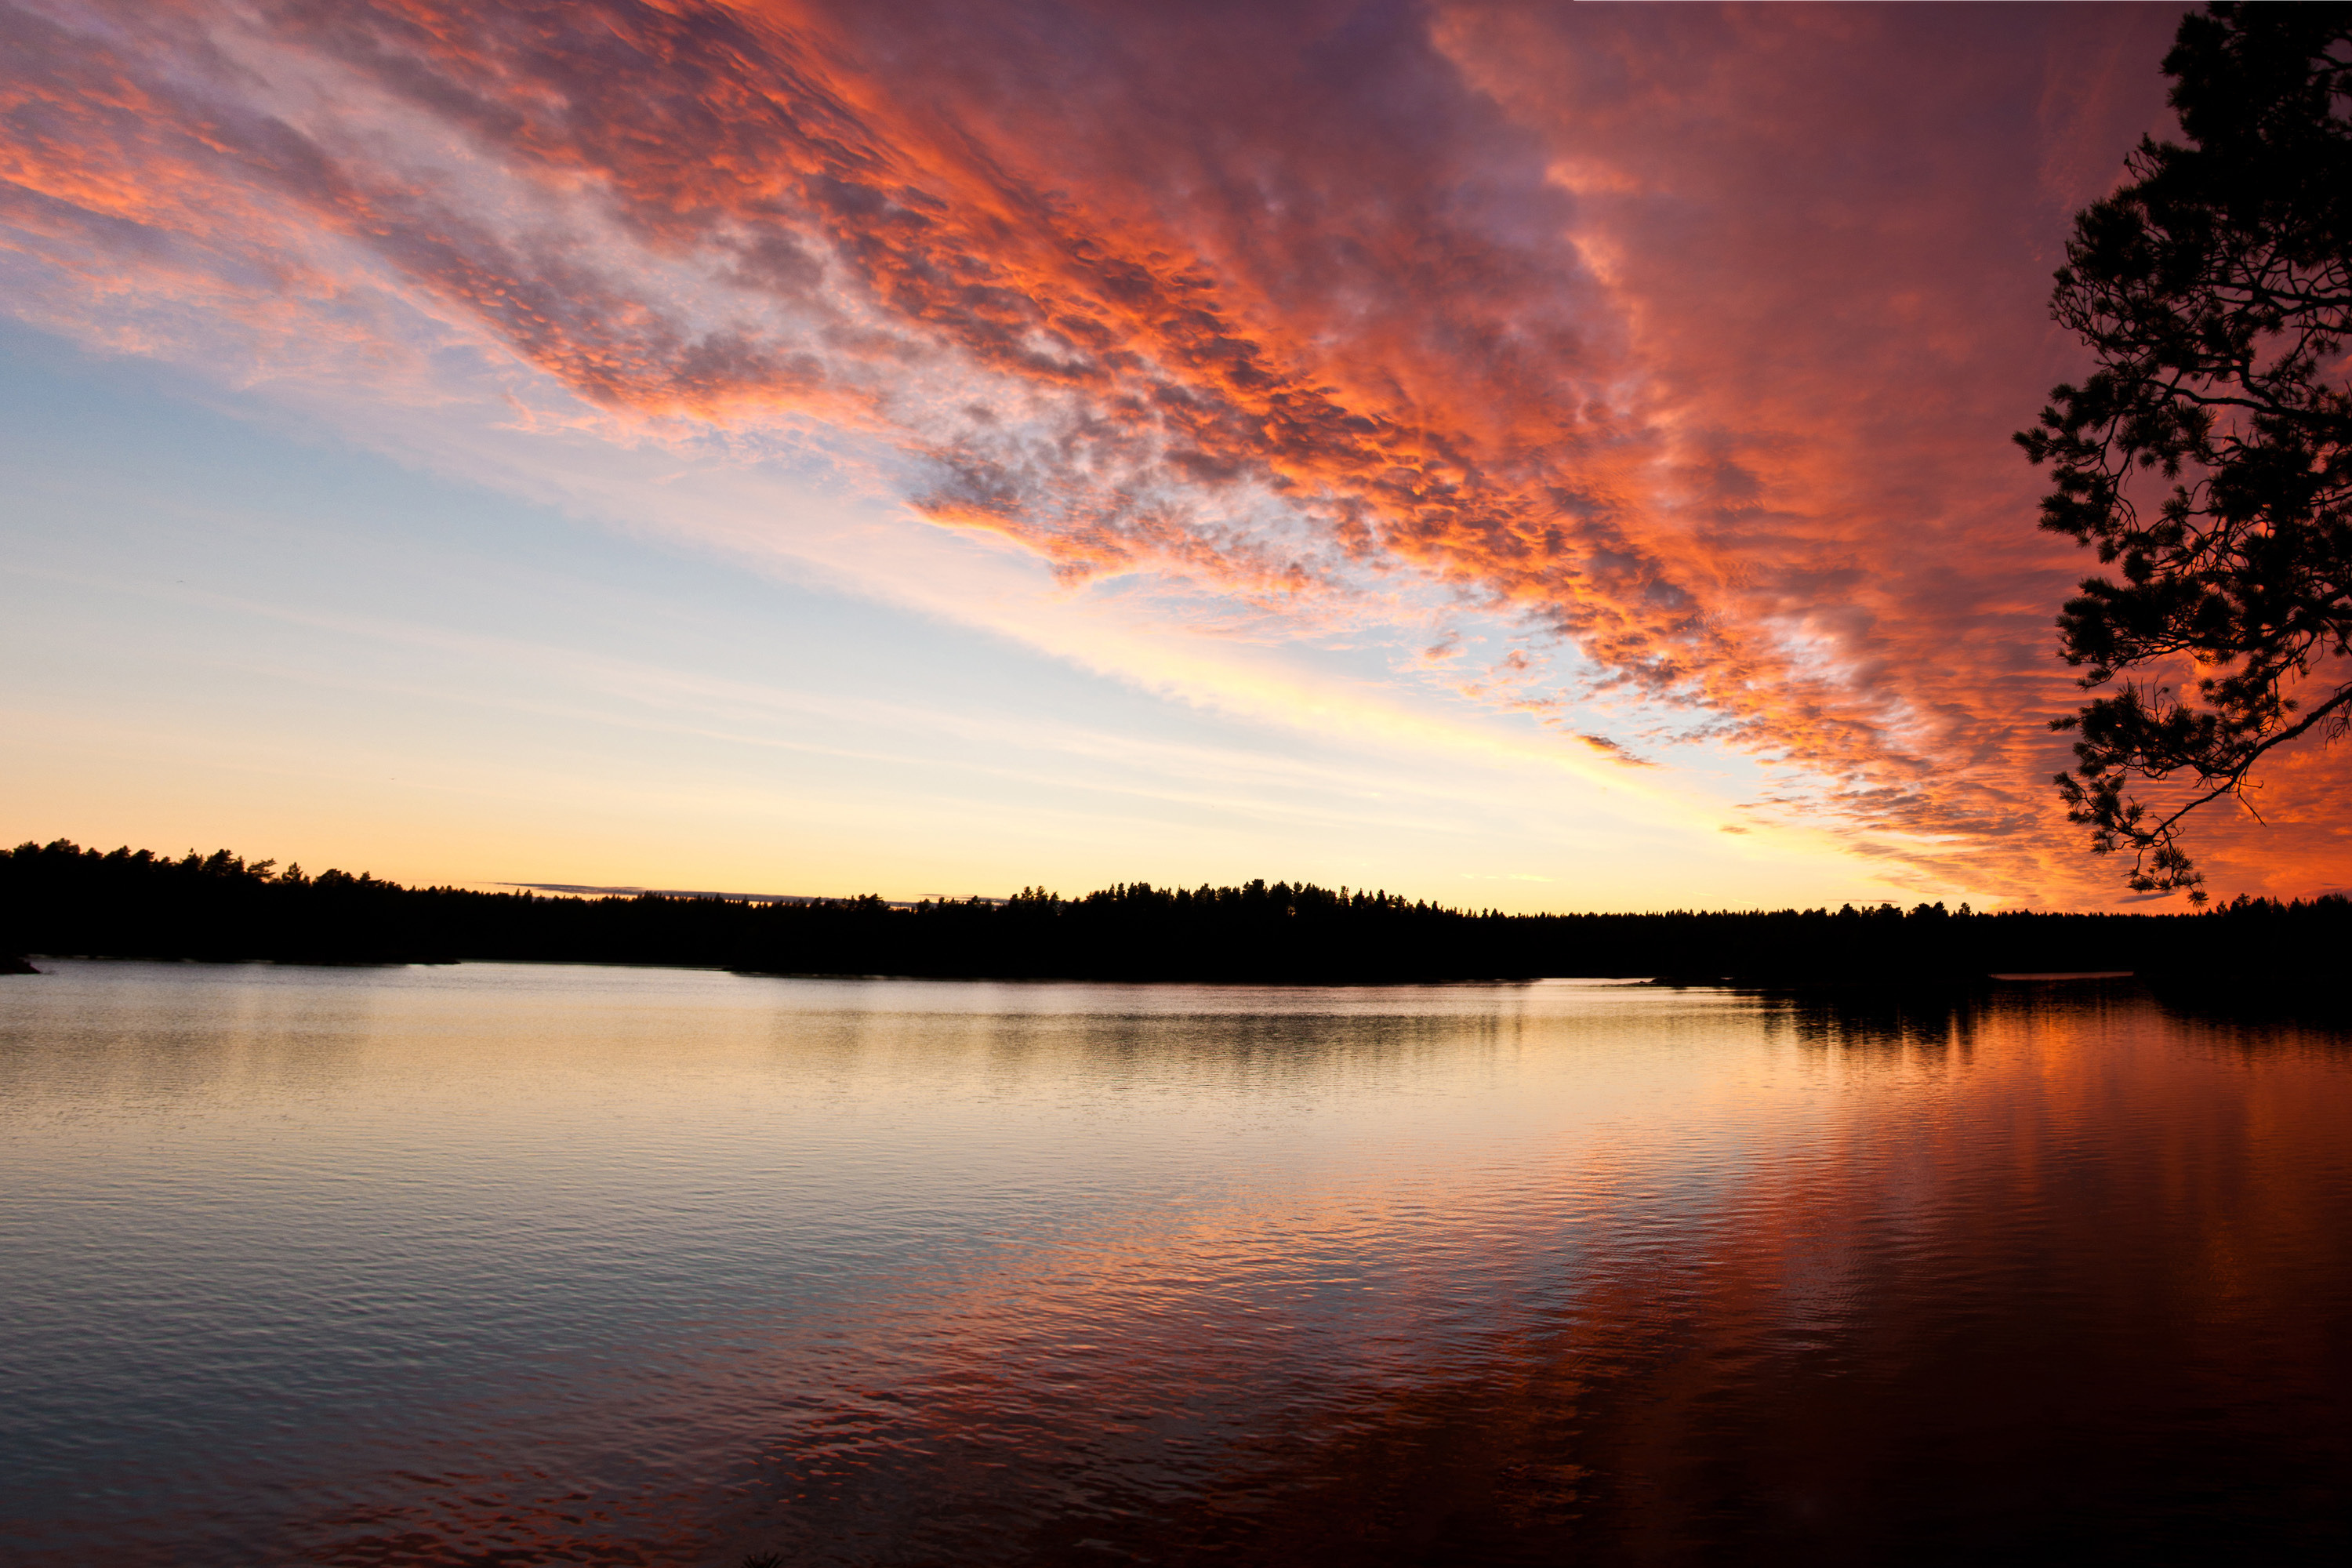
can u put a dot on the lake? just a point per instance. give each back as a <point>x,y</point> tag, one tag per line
<point>505,1264</point>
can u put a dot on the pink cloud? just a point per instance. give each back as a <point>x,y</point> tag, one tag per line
<point>1691,336</point>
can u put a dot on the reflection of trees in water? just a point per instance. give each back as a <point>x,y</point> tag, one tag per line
<point>1887,1022</point>
<point>102,1035</point>
<point>2093,1302</point>
<point>2254,1021</point>
<point>1871,1022</point>
<point>1191,1051</point>
<point>2086,1290</point>
<point>1291,1050</point>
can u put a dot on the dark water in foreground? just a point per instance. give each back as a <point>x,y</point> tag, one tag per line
<point>505,1265</point>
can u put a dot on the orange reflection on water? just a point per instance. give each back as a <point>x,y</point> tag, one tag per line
<point>673,1267</point>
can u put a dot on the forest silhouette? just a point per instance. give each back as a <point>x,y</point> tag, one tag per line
<point>61,899</point>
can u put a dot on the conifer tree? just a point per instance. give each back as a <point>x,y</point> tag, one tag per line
<point>2208,459</point>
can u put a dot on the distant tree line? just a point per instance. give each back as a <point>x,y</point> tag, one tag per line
<point>59,898</point>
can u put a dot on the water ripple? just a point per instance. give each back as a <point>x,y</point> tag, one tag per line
<point>513,1264</point>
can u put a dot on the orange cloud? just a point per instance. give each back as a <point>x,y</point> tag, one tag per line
<point>1687,339</point>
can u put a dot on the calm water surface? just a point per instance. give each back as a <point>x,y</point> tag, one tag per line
<point>514,1265</point>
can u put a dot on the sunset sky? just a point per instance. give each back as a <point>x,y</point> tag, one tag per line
<point>1527,456</point>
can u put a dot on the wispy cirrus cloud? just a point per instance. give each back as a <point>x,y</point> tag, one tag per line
<point>1670,352</point>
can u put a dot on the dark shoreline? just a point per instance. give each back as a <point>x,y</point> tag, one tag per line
<point>60,899</point>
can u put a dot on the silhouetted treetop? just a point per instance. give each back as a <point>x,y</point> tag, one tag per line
<point>2215,289</point>
<point>2214,292</point>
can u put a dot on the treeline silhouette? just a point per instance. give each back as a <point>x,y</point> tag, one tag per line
<point>59,898</point>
